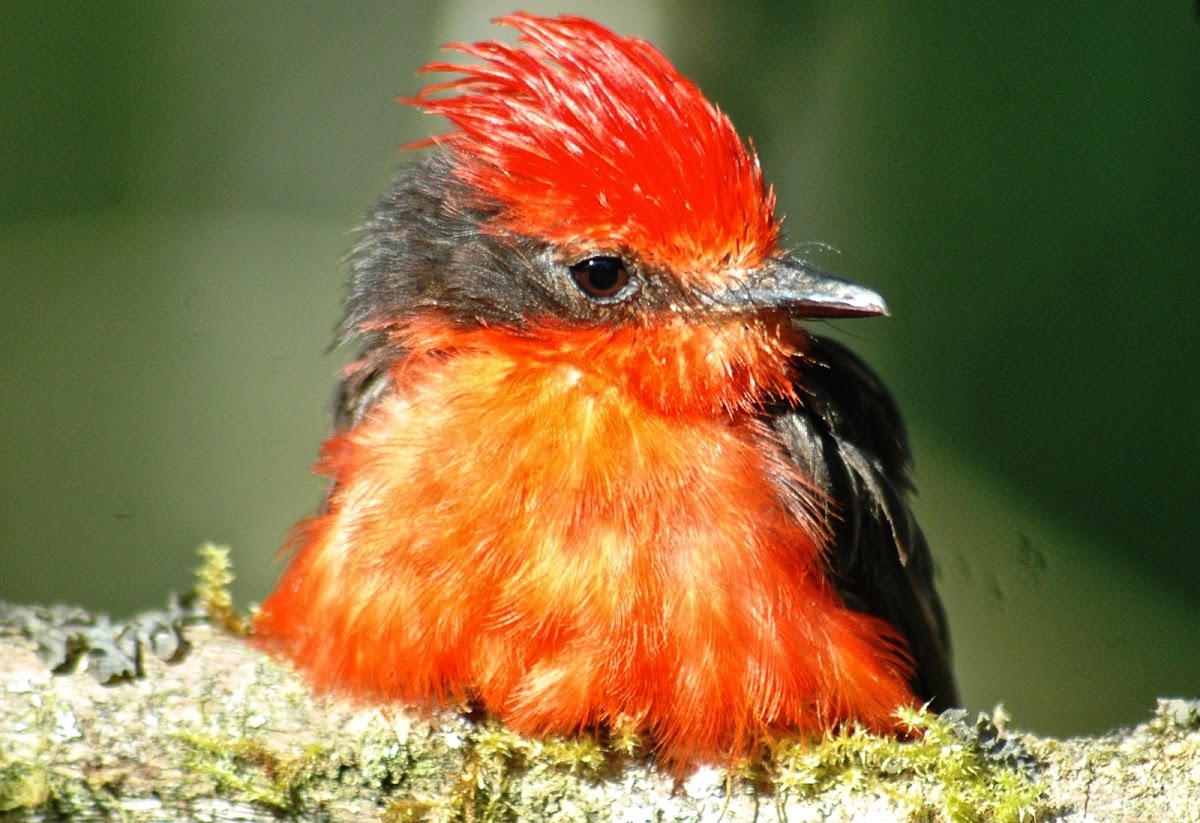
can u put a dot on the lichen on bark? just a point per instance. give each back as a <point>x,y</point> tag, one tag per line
<point>170,716</point>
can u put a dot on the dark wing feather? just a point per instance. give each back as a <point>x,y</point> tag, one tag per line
<point>847,435</point>
<point>363,383</point>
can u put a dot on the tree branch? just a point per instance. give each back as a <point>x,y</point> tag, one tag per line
<point>218,731</point>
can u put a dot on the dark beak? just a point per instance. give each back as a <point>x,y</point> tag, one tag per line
<point>800,290</point>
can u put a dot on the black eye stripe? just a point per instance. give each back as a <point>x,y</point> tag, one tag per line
<point>602,277</point>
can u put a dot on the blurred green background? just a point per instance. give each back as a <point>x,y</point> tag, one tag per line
<point>179,180</point>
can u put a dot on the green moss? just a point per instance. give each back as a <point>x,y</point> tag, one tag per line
<point>248,770</point>
<point>949,771</point>
<point>487,787</point>
<point>23,786</point>
<point>468,776</point>
<point>212,588</point>
<point>946,772</point>
<point>409,810</point>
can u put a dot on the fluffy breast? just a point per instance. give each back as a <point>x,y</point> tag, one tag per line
<point>539,541</point>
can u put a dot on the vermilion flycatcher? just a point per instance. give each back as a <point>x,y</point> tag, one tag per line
<point>587,470</point>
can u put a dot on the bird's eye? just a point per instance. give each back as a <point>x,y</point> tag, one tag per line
<point>601,278</point>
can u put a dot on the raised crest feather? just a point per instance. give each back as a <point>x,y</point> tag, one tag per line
<point>587,139</point>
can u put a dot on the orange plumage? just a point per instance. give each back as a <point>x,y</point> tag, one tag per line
<point>570,476</point>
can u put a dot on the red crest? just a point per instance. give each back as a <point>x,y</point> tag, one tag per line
<point>592,140</point>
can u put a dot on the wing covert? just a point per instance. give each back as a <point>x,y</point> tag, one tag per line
<point>848,437</point>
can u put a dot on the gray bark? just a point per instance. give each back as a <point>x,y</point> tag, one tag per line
<point>219,731</point>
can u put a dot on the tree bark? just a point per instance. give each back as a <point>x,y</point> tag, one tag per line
<point>219,731</point>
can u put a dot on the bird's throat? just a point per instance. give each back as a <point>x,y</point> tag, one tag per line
<point>676,365</point>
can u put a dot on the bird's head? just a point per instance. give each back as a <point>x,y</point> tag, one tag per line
<point>589,204</point>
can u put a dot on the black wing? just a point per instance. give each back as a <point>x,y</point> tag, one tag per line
<point>847,435</point>
<point>362,383</point>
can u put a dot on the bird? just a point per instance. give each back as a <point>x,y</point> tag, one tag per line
<point>588,470</point>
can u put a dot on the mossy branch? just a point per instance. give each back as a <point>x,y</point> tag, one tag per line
<point>218,731</point>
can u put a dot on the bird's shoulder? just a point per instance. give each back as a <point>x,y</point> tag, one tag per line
<point>847,437</point>
<point>363,383</point>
